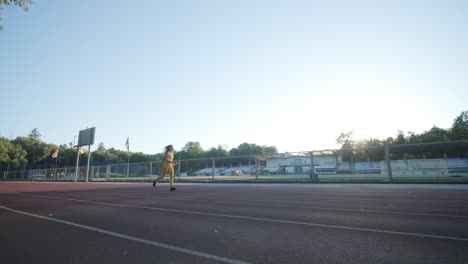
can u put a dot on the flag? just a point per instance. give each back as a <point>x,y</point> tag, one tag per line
<point>127,144</point>
<point>55,154</point>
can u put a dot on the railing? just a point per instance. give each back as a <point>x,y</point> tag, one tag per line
<point>304,166</point>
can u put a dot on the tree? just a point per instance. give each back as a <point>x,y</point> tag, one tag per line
<point>23,4</point>
<point>270,150</point>
<point>345,139</point>
<point>459,129</point>
<point>347,144</point>
<point>353,150</point>
<point>35,134</point>
<point>116,156</point>
<point>67,155</point>
<point>400,138</point>
<point>216,152</point>
<point>38,152</point>
<point>11,156</point>
<point>435,134</point>
<point>101,147</point>
<point>139,157</point>
<point>192,150</point>
<point>5,147</point>
<point>17,157</point>
<point>245,149</point>
<point>369,149</point>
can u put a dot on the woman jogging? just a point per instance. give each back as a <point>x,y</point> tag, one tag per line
<point>168,167</point>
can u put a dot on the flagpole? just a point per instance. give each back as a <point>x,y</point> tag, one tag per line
<point>55,169</point>
<point>55,156</point>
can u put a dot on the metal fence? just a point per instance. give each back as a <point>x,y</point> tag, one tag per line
<point>411,162</point>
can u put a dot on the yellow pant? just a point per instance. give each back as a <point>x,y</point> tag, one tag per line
<point>167,168</point>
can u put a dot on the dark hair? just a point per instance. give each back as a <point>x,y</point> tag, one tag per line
<point>168,147</point>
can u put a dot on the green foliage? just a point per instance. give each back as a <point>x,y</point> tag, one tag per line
<point>459,130</point>
<point>400,138</point>
<point>345,139</point>
<point>252,149</point>
<point>435,134</point>
<point>347,143</point>
<point>67,155</point>
<point>23,4</point>
<point>216,152</point>
<point>139,157</point>
<point>11,156</point>
<point>35,134</point>
<point>370,149</point>
<point>38,152</point>
<point>191,150</point>
<point>101,147</point>
<point>32,152</point>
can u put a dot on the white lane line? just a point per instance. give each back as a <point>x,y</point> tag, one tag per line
<point>348,199</point>
<point>277,205</point>
<point>144,241</point>
<point>327,200</point>
<point>333,201</point>
<point>255,218</point>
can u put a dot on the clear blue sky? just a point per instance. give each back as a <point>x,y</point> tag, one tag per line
<point>294,74</point>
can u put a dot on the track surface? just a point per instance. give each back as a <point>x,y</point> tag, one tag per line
<point>233,223</point>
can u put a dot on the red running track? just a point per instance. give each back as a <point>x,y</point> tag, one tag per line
<point>233,223</point>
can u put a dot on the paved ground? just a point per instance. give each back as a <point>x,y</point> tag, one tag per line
<point>233,223</point>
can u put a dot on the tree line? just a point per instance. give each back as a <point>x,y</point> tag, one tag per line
<point>372,148</point>
<point>31,152</point>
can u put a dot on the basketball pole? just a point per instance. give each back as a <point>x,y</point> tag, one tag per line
<point>85,138</point>
<point>77,161</point>
<point>55,168</point>
<point>89,158</point>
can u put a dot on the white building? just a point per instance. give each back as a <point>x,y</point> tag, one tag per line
<point>301,163</point>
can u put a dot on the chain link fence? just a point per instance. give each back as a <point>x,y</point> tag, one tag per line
<point>444,161</point>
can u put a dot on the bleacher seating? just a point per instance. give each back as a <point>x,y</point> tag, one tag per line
<point>428,166</point>
<point>367,167</point>
<point>325,166</point>
<point>457,165</point>
<point>427,163</point>
<point>404,167</point>
<point>234,170</point>
<point>398,165</point>
<point>270,170</point>
<point>208,171</point>
<point>344,167</point>
<point>328,165</point>
<point>416,167</point>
